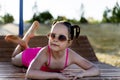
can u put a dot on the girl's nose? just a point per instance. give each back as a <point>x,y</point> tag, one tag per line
<point>56,39</point>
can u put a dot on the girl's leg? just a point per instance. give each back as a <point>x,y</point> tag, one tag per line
<point>16,40</point>
<point>22,43</point>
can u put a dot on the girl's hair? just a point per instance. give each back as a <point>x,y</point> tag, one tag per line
<point>73,30</point>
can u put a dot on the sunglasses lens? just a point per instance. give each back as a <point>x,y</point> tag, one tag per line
<point>62,38</point>
<point>52,35</point>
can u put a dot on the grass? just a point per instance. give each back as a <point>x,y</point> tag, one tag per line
<point>109,59</point>
<point>42,30</point>
<point>104,39</point>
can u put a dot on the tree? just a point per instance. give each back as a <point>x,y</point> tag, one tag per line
<point>82,19</point>
<point>44,17</point>
<point>61,18</point>
<point>112,15</point>
<point>106,16</point>
<point>115,18</point>
<point>7,18</point>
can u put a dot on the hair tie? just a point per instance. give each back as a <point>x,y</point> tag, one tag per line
<point>77,30</point>
<point>72,32</point>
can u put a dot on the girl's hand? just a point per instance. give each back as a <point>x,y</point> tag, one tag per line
<point>74,75</point>
<point>62,76</point>
<point>78,75</point>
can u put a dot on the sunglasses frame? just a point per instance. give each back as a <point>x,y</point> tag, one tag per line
<point>60,37</point>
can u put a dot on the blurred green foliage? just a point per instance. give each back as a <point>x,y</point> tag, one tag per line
<point>44,17</point>
<point>112,15</point>
<point>7,18</point>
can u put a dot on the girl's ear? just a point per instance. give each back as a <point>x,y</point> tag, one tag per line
<point>70,42</point>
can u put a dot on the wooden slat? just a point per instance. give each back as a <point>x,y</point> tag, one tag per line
<point>12,75</point>
<point>100,78</point>
<point>7,70</point>
<point>12,78</point>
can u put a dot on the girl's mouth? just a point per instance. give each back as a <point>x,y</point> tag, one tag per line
<point>54,44</point>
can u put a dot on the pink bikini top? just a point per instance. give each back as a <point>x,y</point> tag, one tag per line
<point>46,67</point>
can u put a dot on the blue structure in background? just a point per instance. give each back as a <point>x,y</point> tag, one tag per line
<point>21,18</point>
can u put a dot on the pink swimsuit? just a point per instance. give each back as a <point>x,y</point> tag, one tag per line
<point>29,54</point>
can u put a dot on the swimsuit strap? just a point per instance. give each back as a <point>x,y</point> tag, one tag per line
<point>49,56</point>
<point>66,61</point>
<point>49,59</point>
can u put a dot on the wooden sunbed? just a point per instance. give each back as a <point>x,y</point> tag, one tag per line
<point>81,46</point>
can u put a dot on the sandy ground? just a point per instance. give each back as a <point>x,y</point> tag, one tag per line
<point>8,29</point>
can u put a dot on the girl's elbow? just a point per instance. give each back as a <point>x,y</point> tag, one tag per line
<point>28,74</point>
<point>97,70</point>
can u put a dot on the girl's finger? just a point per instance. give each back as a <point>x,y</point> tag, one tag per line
<point>75,78</point>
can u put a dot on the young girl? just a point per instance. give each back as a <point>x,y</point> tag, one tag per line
<point>55,60</point>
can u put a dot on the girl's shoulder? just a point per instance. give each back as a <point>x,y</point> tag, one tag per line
<point>44,50</point>
<point>73,54</point>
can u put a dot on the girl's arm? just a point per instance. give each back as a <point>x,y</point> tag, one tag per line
<point>34,71</point>
<point>89,68</point>
<point>92,71</point>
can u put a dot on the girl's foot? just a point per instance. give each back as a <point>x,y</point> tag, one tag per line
<point>30,33</point>
<point>15,39</point>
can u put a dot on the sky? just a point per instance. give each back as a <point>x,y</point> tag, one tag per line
<point>68,8</point>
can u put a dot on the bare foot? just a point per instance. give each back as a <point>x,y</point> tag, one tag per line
<point>15,39</point>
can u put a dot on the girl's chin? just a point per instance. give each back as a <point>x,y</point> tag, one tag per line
<point>55,48</point>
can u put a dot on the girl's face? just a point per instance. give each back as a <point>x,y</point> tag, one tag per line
<point>58,37</point>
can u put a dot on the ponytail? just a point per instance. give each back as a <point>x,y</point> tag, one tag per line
<point>74,30</point>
